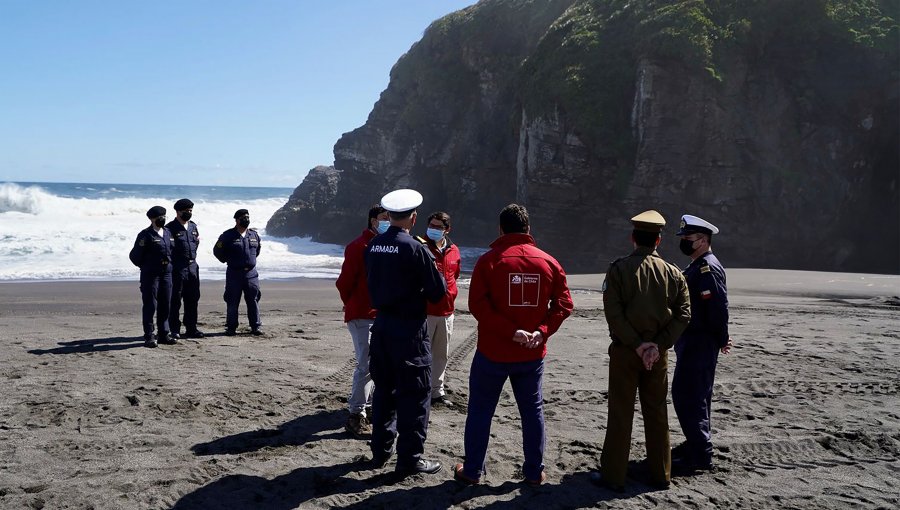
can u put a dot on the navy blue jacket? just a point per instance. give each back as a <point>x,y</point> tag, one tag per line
<point>186,239</point>
<point>709,304</point>
<point>239,252</point>
<point>401,275</point>
<point>152,252</point>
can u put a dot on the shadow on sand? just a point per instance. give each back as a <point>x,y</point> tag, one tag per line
<point>292,490</point>
<point>115,343</point>
<point>299,431</point>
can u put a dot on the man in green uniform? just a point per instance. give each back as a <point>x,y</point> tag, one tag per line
<point>647,306</point>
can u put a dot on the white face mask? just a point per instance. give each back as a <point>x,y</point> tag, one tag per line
<point>383,225</point>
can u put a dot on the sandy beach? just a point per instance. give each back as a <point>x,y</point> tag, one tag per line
<point>806,411</point>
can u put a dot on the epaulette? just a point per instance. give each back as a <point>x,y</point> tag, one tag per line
<point>705,268</point>
<point>421,239</point>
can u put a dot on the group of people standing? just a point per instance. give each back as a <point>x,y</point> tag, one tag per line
<point>399,295</point>
<point>166,253</point>
<point>399,291</point>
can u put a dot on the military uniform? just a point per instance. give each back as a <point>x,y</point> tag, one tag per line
<point>401,276</point>
<point>697,351</point>
<point>152,252</point>
<point>240,252</point>
<point>645,299</point>
<point>185,276</point>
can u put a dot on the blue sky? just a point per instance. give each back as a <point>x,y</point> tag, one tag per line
<point>251,92</point>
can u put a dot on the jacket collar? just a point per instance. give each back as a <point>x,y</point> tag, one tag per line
<point>507,240</point>
<point>644,251</point>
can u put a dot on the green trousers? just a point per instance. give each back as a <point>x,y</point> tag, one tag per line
<point>627,375</point>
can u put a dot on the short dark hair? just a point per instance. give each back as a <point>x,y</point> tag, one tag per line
<point>402,215</point>
<point>514,219</point>
<point>644,238</point>
<point>373,213</point>
<point>440,216</point>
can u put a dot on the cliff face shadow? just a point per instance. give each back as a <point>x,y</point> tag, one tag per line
<point>115,343</point>
<point>298,431</point>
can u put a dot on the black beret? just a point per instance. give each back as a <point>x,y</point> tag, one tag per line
<point>156,211</point>
<point>183,204</point>
<point>241,212</point>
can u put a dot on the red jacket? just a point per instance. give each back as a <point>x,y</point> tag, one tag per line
<point>515,286</point>
<point>352,281</point>
<point>448,263</point>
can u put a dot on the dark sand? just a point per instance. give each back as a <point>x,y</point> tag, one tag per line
<point>806,410</point>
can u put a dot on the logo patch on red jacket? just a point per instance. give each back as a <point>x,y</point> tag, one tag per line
<point>524,289</point>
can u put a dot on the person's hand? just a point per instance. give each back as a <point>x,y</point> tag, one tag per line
<point>650,357</point>
<point>649,354</point>
<point>535,341</point>
<point>521,336</point>
<point>728,346</point>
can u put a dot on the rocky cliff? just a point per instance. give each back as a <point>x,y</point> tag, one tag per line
<point>778,121</point>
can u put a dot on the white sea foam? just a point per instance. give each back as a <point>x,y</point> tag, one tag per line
<point>48,236</point>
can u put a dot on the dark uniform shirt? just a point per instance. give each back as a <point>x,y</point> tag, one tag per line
<point>645,299</point>
<point>401,275</point>
<point>709,301</point>
<point>186,238</point>
<point>152,252</point>
<point>239,252</point>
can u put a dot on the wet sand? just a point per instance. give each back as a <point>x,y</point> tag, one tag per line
<point>806,411</point>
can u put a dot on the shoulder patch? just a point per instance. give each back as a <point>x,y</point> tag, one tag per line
<point>704,269</point>
<point>141,242</point>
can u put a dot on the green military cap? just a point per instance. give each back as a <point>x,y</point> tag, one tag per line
<point>649,221</point>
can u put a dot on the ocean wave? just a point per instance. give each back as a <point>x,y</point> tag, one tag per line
<point>28,200</point>
<point>69,235</point>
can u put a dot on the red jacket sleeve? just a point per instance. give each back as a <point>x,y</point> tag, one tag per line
<point>350,269</point>
<point>560,304</point>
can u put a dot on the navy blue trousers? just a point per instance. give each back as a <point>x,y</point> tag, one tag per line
<point>156,293</point>
<point>692,387</point>
<point>400,365</point>
<point>235,286</point>
<point>486,380</point>
<point>186,286</point>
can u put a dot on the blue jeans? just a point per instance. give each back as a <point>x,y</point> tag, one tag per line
<point>486,380</point>
<point>361,391</point>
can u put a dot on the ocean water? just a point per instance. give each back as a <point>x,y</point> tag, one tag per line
<point>66,231</point>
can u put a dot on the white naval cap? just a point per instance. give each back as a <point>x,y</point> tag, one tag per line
<point>694,225</point>
<point>401,200</point>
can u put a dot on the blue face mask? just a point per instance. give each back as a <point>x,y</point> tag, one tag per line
<point>383,225</point>
<point>435,234</point>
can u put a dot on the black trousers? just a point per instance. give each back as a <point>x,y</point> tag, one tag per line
<point>156,294</point>
<point>235,286</point>
<point>400,365</point>
<point>185,286</point>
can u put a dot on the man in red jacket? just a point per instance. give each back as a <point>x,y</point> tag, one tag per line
<point>440,314</point>
<point>519,297</point>
<point>359,316</point>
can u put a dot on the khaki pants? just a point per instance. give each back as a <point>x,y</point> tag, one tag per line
<point>626,376</point>
<point>440,329</point>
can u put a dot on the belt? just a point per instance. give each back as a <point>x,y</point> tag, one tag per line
<point>164,262</point>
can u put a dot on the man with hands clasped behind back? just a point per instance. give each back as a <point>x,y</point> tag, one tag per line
<point>520,297</point>
<point>646,303</point>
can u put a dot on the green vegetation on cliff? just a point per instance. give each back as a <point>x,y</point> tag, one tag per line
<point>586,63</point>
